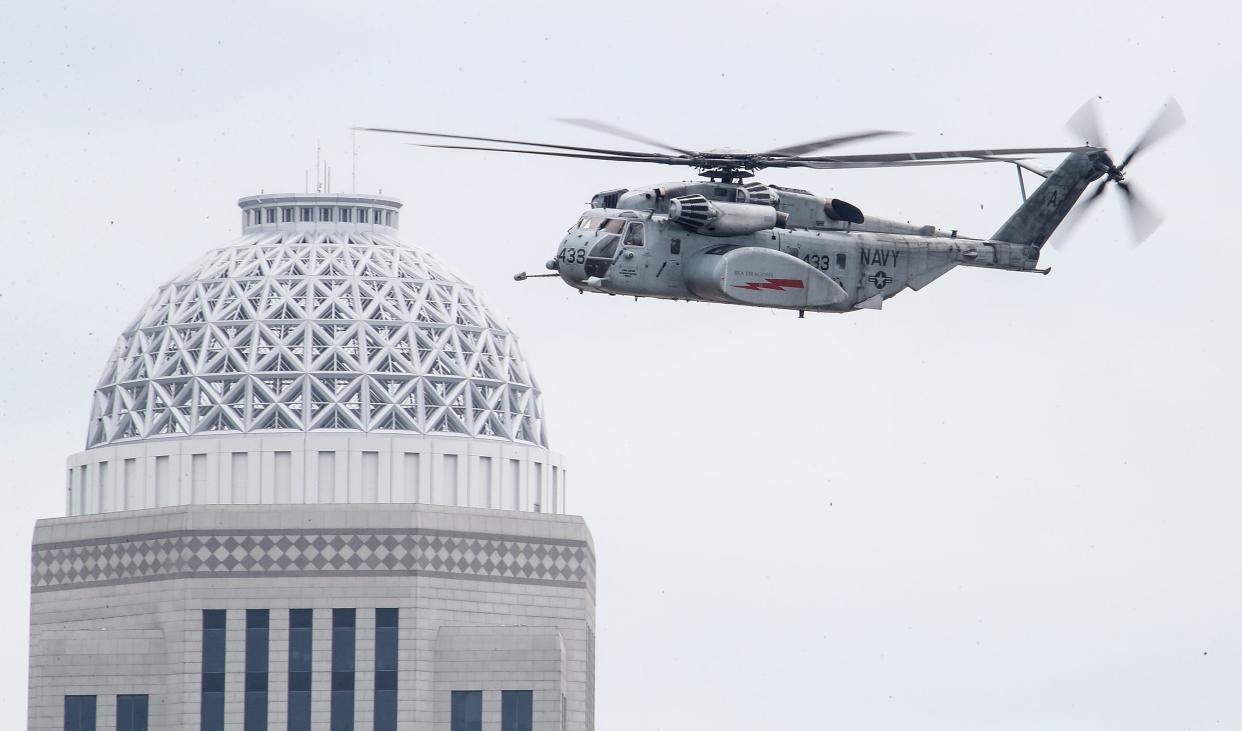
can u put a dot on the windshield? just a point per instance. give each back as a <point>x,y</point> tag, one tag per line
<point>599,223</point>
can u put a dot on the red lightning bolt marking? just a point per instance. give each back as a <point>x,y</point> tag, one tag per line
<point>770,283</point>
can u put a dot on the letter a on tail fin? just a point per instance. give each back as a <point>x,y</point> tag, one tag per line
<point>1039,216</point>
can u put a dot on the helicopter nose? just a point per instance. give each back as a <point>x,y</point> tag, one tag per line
<point>570,258</point>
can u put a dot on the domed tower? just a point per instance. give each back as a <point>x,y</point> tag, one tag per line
<point>316,493</point>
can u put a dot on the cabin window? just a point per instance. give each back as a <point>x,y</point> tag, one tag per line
<point>613,225</point>
<point>674,247</point>
<point>634,234</point>
<point>840,261</point>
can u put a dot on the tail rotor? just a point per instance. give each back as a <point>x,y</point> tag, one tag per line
<point>1144,218</point>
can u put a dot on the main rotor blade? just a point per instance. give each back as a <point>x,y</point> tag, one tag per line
<point>834,165</point>
<point>606,128</point>
<point>944,154</point>
<point>1168,120</point>
<point>599,150</point>
<point>660,160</point>
<point>1144,219</point>
<point>827,142</point>
<point>1085,124</point>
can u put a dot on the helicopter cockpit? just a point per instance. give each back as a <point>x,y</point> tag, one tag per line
<point>592,245</point>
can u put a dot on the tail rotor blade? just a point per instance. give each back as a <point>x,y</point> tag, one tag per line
<point>1085,124</point>
<point>1144,218</point>
<point>1167,121</point>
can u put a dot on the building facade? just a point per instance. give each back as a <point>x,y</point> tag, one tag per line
<point>317,494</point>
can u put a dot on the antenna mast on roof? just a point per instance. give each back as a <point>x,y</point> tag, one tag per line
<point>318,170</point>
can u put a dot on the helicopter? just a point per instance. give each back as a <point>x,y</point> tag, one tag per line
<point>729,238</point>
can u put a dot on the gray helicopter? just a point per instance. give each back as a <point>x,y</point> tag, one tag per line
<point>735,240</point>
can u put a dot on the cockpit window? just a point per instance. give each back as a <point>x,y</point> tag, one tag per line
<point>634,234</point>
<point>590,223</point>
<point>606,248</point>
<point>613,225</point>
<point>599,259</point>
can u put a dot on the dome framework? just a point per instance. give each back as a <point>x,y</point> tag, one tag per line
<point>290,330</point>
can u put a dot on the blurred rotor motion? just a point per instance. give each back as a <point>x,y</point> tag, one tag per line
<point>1144,218</point>
<point>732,165</point>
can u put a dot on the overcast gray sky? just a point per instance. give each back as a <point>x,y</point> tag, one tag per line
<point>1006,500</point>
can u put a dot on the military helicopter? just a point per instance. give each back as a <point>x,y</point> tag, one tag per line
<point>732,239</point>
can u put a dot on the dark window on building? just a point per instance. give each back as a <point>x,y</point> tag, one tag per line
<point>386,669</point>
<point>345,215</point>
<point>516,710</point>
<point>79,713</point>
<point>388,218</point>
<point>325,214</point>
<point>131,713</point>
<point>467,711</point>
<point>344,632</point>
<point>840,261</point>
<point>362,215</point>
<point>271,215</point>
<point>308,214</point>
<point>257,630</point>
<point>300,634</point>
<point>211,709</point>
<point>247,218</point>
<point>286,215</point>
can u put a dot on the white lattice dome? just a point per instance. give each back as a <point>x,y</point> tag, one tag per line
<point>316,330</point>
<point>318,324</point>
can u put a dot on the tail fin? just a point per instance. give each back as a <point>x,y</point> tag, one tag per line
<point>1039,216</point>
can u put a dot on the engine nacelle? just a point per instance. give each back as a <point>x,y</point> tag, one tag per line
<point>838,210</point>
<point>608,198</point>
<point>715,218</point>
<point>760,194</point>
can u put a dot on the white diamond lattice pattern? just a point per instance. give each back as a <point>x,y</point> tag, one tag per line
<point>300,332</point>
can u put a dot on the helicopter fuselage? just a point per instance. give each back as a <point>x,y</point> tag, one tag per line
<point>760,246</point>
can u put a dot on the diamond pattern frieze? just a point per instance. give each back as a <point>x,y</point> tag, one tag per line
<point>194,555</point>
